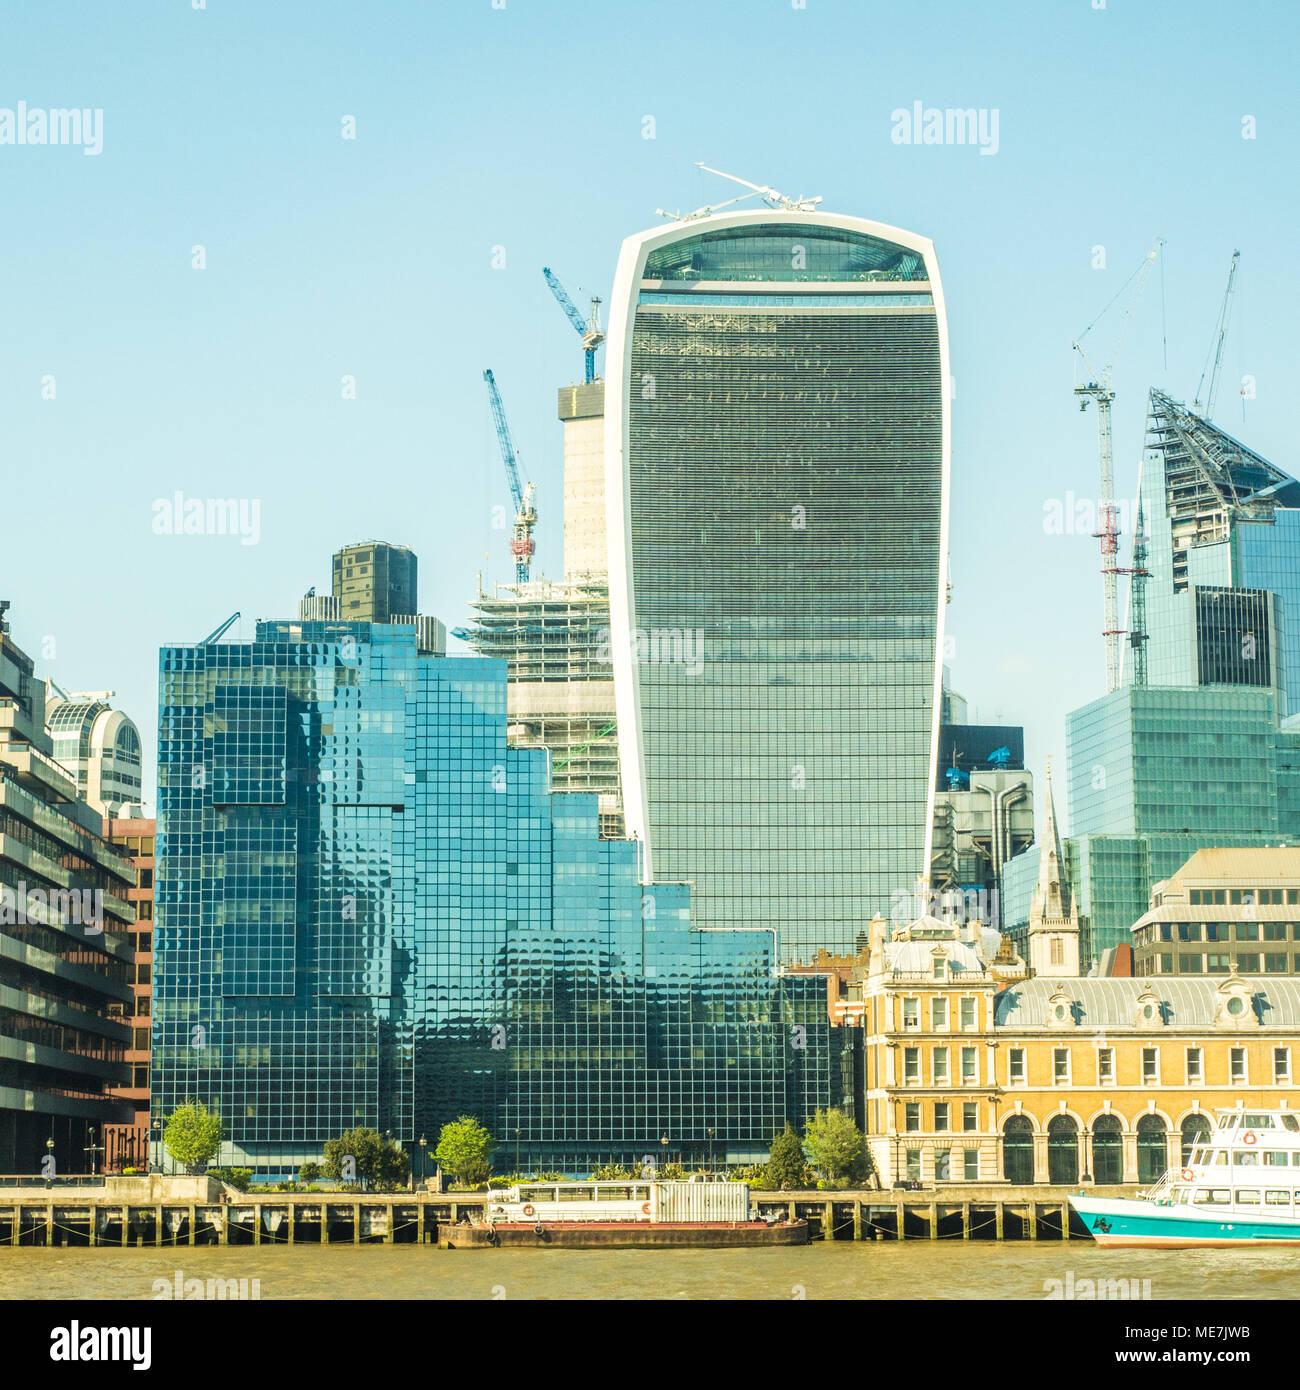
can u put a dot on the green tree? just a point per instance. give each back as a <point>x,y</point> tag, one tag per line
<point>465,1150</point>
<point>836,1148</point>
<point>786,1166</point>
<point>310,1172</point>
<point>192,1135</point>
<point>364,1156</point>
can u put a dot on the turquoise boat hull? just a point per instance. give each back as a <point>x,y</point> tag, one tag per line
<point>1116,1221</point>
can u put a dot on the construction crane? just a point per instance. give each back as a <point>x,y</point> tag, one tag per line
<point>769,195</point>
<point>1137,600</point>
<point>1097,387</point>
<point>217,633</point>
<point>1220,333</point>
<point>588,329</point>
<point>521,544</point>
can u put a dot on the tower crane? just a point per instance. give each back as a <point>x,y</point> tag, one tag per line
<point>588,329</point>
<point>1220,334</point>
<point>1097,387</point>
<point>521,544</point>
<point>760,190</point>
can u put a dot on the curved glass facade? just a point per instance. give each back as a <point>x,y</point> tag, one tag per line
<point>784,479</point>
<point>371,911</point>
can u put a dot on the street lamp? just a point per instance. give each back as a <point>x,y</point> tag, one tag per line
<point>157,1139</point>
<point>664,1146</point>
<point>92,1149</point>
<point>49,1166</point>
<point>516,1152</point>
<point>712,1132</point>
<point>424,1145</point>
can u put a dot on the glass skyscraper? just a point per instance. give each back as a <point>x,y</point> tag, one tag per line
<point>371,911</point>
<point>1154,775</point>
<point>1223,597</point>
<point>776,482</point>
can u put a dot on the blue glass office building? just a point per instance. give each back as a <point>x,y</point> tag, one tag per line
<point>371,911</point>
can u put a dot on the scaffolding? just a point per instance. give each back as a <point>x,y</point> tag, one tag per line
<point>554,639</point>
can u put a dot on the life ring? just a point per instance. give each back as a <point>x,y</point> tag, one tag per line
<point>645,1208</point>
<point>1247,1138</point>
<point>1188,1175</point>
<point>529,1209</point>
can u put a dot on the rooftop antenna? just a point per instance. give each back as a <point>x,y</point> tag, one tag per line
<point>769,195</point>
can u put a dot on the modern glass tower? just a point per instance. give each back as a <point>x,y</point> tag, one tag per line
<point>372,911</point>
<point>777,443</point>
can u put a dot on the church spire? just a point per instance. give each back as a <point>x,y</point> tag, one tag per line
<point>1053,920</point>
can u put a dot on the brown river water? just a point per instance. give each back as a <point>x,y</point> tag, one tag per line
<point>835,1270</point>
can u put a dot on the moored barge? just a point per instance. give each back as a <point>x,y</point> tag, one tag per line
<point>623,1214</point>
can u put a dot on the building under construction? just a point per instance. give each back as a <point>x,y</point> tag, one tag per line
<point>554,637</point>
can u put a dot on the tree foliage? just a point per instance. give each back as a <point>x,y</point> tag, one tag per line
<point>465,1150</point>
<point>786,1166</point>
<point>836,1148</point>
<point>364,1156</point>
<point>193,1134</point>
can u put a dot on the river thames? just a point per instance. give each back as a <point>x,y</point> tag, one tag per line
<point>838,1270</point>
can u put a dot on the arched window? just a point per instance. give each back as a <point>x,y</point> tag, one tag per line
<point>1062,1150</point>
<point>1107,1150</point>
<point>1153,1148</point>
<point>1195,1130</point>
<point>1018,1151</point>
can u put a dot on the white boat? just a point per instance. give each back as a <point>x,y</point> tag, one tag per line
<point>1240,1186</point>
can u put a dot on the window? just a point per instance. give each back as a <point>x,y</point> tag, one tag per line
<point>1166,963</point>
<point>1275,962</point>
<point>967,1014</point>
<point>1192,964</point>
<point>911,1013</point>
<point>941,1117</point>
<point>1274,931</point>
<point>942,1165</point>
<point>1277,1197</point>
<point>1237,1066</point>
<point>1216,931</point>
<point>1281,1064</point>
<point>146,878</point>
<point>938,967</point>
<point>1247,1196</point>
<point>1166,931</point>
<point>1016,1066</point>
<point>1247,931</point>
<point>1189,931</point>
<point>939,1065</point>
<point>1195,1066</point>
<point>939,1015</point>
<point>912,1123</point>
<point>1248,964</point>
<point>912,1066</point>
<point>1057,951</point>
<point>1215,1195</point>
<point>1150,1066</point>
<point>1061,1066</point>
<point>1106,1066</point>
<point>970,1074</point>
<point>970,1117</point>
<point>914,1165</point>
<point>970,1164</point>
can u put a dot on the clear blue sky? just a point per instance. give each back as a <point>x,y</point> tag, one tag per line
<point>522,127</point>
